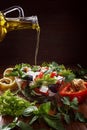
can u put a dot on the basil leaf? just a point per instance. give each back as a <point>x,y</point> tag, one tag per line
<point>10,125</point>
<point>6,127</point>
<point>44,108</point>
<point>23,125</point>
<point>28,111</point>
<point>54,123</point>
<point>33,120</point>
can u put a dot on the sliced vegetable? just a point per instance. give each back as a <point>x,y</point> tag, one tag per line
<point>7,83</point>
<point>68,91</point>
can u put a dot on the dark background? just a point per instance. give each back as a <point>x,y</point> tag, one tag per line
<point>63,33</point>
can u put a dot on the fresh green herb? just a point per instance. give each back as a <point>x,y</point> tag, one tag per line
<point>35,68</point>
<point>81,72</point>
<point>56,67</point>
<point>18,70</point>
<point>16,123</point>
<point>54,122</point>
<point>79,117</point>
<point>16,106</point>
<point>45,80</point>
<point>10,126</point>
<point>30,110</point>
<point>43,109</point>
<point>23,125</point>
<point>11,104</point>
<point>61,69</point>
<point>68,74</point>
<point>69,110</point>
<point>43,113</point>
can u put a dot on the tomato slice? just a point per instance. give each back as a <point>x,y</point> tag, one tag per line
<point>39,76</point>
<point>53,74</point>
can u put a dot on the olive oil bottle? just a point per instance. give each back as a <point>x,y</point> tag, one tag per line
<point>8,24</point>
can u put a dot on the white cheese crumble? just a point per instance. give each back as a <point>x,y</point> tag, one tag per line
<point>44,89</point>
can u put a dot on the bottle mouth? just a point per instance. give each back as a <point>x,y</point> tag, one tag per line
<point>32,19</point>
<point>35,19</point>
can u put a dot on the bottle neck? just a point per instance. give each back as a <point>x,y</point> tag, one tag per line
<point>22,23</point>
<point>11,24</point>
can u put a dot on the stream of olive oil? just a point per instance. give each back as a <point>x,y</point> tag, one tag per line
<point>37,45</point>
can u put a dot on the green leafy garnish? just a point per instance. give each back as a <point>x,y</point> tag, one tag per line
<point>18,70</point>
<point>10,126</point>
<point>12,105</point>
<point>43,113</point>
<point>61,70</point>
<point>80,72</point>
<point>69,110</point>
<point>45,80</point>
<point>68,74</point>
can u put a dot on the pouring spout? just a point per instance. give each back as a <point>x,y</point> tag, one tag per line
<point>33,20</point>
<point>16,23</point>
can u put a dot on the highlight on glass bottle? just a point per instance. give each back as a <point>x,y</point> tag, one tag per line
<point>16,23</point>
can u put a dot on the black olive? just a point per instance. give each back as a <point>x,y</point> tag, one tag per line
<point>53,87</point>
<point>28,77</point>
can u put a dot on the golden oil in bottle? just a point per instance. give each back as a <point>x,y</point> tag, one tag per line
<point>10,24</point>
<point>3,30</point>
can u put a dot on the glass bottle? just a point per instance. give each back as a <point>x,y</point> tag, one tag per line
<point>16,23</point>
